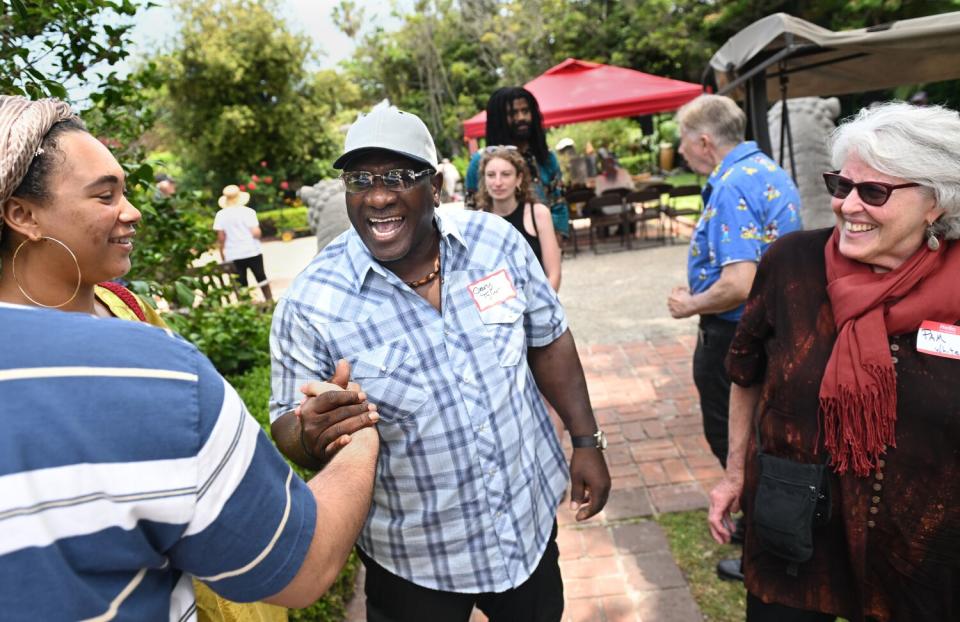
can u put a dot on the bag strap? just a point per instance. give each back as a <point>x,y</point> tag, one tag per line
<point>126,296</point>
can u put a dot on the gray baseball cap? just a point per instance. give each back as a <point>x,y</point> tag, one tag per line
<point>387,127</point>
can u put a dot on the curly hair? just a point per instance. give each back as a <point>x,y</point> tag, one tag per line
<point>524,190</point>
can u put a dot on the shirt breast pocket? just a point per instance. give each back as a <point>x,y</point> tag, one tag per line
<point>504,326</point>
<point>389,375</point>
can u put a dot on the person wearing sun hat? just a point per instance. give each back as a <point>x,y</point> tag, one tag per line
<point>238,234</point>
<point>471,472</point>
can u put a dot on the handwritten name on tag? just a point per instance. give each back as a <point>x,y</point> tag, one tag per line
<point>492,290</point>
<point>939,339</point>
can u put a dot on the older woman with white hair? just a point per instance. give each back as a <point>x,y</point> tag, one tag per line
<point>845,408</point>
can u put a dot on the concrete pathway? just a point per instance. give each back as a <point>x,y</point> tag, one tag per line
<point>637,360</point>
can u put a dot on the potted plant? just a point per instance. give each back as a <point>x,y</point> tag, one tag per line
<point>668,131</point>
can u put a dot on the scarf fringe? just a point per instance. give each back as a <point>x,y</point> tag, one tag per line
<point>858,427</point>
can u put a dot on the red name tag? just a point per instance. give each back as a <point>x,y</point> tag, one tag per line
<point>939,339</point>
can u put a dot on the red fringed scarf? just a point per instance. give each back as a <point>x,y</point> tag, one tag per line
<point>858,393</point>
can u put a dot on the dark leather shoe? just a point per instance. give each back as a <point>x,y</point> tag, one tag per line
<point>739,529</point>
<point>729,570</point>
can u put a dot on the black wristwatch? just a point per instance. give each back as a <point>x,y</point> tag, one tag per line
<point>598,440</point>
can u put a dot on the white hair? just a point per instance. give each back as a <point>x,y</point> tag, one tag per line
<point>715,115</point>
<point>917,143</point>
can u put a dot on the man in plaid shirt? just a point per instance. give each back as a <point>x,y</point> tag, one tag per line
<point>450,330</point>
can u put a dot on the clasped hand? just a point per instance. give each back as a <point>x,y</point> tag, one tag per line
<point>331,412</point>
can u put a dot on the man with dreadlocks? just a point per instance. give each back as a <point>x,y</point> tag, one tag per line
<point>513,118</point>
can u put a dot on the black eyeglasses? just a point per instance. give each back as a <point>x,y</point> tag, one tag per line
<point>874,193</point>
<point>397,180</point>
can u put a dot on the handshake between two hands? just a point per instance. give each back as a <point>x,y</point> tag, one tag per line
<point>331,413</point>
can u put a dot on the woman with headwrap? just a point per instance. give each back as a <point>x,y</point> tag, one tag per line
<point>66,229</point>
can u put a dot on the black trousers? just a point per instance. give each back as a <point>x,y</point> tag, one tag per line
<point>758,611</point>
<point>538,599</point>
<point>255,264</point>
<point>713,384</point>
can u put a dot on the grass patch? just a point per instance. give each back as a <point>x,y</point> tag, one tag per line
<point>697,555</point>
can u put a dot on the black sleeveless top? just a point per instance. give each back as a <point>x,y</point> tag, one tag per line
<point>515,218</point>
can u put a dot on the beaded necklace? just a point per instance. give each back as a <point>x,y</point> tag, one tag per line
<point>430,277</point>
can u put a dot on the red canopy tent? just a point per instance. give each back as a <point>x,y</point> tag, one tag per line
<point>575,91</point>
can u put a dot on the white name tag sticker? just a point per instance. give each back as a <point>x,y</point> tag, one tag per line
<point>492,290</point>
<point>939,339</point>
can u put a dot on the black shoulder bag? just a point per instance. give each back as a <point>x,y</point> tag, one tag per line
<point>792,498</point>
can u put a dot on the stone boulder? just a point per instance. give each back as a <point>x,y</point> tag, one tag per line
<point>812,119</point>
<point>326,210</point>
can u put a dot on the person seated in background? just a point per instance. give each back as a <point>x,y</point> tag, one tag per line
<point>166,185</point>
<point>612,176</point>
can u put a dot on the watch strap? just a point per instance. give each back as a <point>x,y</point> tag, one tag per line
<point>584,441</point>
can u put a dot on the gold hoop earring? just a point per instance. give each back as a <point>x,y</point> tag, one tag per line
<point>13,268</point>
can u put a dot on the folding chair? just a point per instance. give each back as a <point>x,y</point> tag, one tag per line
<point>602,216</point>
<point>673,211</point>
<point>651,208</point>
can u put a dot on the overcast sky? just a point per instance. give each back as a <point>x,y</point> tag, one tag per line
<point>155,27</point>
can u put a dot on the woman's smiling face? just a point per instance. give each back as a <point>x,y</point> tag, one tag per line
<point>882,236</point>
<point>88,210</point>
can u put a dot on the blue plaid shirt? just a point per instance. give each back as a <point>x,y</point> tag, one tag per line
<point>470,471</point>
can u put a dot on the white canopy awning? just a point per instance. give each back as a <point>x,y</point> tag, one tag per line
<point>822,62</point>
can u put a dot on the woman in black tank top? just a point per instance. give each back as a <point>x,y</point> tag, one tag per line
<point>505,190</point>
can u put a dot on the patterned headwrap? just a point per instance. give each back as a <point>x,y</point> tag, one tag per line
<point>23,124</point>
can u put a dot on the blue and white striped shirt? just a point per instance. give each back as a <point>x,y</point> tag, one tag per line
<point>470,471</point>
<point>126,461</point>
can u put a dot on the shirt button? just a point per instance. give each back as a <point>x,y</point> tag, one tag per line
<point>874,510</point>
<point>894,359</point>
<point>499,514</point>
<point>383,368</point>
<point>875,500</point>
<point>879,476</point>
<point>870,523</point>
<point>493,470</point>
<point>894,347</point>
<point>482,427</point>
<point>878,487</point>
<point>881,463</point>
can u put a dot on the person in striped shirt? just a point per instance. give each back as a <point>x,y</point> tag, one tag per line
<point>119,480</point>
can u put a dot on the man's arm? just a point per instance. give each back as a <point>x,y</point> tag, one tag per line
<point>728,292</point>
<point>342,491</point>
<point>725,496</point>
<point>556,368</point>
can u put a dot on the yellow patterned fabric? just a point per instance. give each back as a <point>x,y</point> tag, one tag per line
<point>213,608</point>
<point>210,606</point>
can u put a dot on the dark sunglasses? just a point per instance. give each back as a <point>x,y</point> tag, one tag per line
<point>874,193</point>
<point>397,180</point>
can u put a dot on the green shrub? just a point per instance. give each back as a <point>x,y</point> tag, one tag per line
<point>292,218</point>
<point>234,337</point>
<point>254,389</point>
